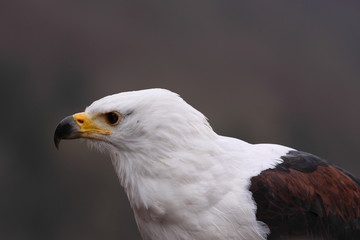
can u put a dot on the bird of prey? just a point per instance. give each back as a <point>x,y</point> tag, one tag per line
<point>184,181</point>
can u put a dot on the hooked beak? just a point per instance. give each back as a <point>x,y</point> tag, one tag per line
<point>78,126</point>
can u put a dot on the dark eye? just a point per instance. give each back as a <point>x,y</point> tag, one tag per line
<point>112,117</point>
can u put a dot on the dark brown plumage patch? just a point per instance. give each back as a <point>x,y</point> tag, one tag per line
<point>306,197</point>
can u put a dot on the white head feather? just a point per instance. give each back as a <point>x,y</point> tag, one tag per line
<point>152,116</point>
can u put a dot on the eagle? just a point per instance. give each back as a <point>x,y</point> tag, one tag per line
<point>184,181</point>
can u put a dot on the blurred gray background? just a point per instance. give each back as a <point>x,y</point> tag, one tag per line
<point>283,72</point>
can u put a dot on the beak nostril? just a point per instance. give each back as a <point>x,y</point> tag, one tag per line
<point>80,119</point>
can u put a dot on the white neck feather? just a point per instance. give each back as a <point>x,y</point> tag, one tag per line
<point>162,159</point>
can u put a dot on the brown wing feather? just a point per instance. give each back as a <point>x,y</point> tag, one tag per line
<point>306,197</point>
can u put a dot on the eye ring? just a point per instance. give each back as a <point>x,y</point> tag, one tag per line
<point>112,118</point>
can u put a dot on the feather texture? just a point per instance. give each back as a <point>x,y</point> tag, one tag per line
<point>184,181</point>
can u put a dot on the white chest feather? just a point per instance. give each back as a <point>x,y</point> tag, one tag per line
<point>200,199</point>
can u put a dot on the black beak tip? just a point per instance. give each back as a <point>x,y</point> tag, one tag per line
<point>66,129</point>
<point>57,141</point>
<point>58,135</point>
